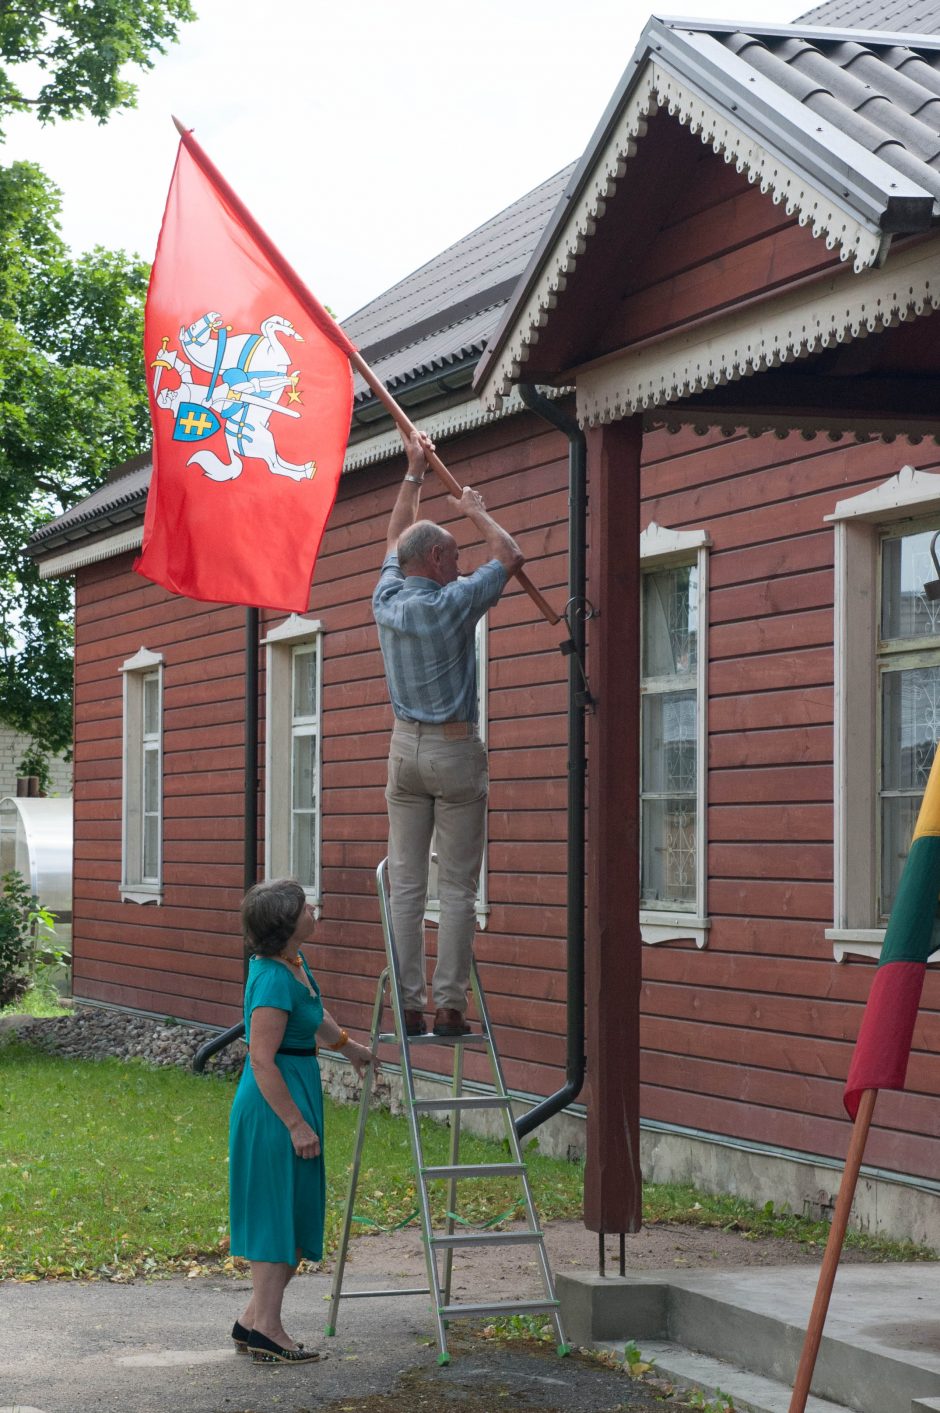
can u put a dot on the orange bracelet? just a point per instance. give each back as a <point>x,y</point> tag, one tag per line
<point>342,1042</point>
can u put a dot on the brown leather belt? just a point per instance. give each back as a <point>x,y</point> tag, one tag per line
<point>451,730</point>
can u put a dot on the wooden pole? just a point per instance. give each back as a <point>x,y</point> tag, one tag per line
<point>437,466</point>
<point>325,321</point>
<point>830,1263</point>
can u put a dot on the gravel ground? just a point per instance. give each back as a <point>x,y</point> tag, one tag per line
<point>91,1033</point>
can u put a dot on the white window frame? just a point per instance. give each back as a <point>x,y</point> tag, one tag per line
<point>859,523</point>
<point>661,548</point>
<point>432,907</point>
<point>136,745</point>
<point>281,731</point>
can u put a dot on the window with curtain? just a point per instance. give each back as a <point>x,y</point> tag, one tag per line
<point>669,738</point>
<point>908,695</point>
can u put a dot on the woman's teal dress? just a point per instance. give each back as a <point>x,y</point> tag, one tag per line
<point>277,1200</point>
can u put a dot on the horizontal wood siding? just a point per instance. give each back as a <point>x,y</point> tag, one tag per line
<point>183,957</point>
<point>521,467</point>
<point>750,1037</point>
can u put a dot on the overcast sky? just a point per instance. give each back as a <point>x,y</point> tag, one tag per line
<point>365,136</point>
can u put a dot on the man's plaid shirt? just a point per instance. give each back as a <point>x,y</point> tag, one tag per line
<point>426,632</point>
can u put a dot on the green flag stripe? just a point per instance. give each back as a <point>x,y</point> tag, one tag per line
<point>910,927</point>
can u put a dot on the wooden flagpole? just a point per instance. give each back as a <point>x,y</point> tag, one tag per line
<point>437,466</point>
<point>325,321</point>
<point>830,1263</point>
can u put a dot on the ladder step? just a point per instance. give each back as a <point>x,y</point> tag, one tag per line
<point>487,1238</point>
<point>501,1307</point>
<point>473,1037</point>
<point>427,1106</point>
<point>464,1170</point>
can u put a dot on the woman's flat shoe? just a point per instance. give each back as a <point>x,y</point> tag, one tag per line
<point>265,1351</point>
<point>240,1335</point>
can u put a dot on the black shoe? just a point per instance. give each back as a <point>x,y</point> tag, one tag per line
<point>241,1337</point>
<point>265,1351</point>
<point>449,1022</point>
<point>415,1024</point>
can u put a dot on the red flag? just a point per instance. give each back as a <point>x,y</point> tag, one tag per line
<point>250,398</point>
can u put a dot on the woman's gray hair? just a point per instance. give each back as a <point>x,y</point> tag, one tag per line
<point>270,912</point>
<point>416,543</point>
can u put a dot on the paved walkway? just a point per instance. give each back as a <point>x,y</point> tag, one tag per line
<point>163,1347</point>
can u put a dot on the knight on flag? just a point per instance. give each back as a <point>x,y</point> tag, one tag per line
<point>250,399</point>
<point>246,376</point>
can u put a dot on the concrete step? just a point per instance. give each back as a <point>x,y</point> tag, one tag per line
<point>750,1393</point>
<point>880,1350</point>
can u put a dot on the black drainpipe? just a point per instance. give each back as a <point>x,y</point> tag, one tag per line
<point>579,701</point>
<point>250,848</point>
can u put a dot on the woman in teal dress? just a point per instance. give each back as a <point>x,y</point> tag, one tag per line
<point>277,1185</point>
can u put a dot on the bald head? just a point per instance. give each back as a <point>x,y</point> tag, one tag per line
<point>416,544</point>
<point>428,551</point>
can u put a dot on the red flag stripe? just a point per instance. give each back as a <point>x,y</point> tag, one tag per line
<point>884,1041</point>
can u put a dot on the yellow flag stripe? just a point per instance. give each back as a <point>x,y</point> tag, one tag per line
<point>928,821</point>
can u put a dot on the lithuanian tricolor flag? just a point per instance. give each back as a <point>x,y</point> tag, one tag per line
<point>884,1041</point>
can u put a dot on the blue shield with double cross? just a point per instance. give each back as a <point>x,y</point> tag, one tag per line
<point>194,423</point>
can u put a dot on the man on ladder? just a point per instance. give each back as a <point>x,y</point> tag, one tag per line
<point>437,767</point>
<point>437,785</point>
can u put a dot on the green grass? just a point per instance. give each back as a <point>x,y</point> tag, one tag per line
<point>673,1202</point>
<point>37,1001</point>
<point>112,1168</point>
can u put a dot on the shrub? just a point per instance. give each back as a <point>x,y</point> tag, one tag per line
<point>21,920</point>
<point>36,762</point>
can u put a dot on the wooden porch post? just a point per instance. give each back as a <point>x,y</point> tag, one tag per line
<point>612,1182</point>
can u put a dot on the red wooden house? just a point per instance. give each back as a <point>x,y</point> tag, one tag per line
<point>732,291</point>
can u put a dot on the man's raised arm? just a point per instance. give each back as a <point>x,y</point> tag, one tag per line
<point>500,545</point>
<point>405,509</point>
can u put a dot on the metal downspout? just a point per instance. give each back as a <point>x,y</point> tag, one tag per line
<point>579,699</point>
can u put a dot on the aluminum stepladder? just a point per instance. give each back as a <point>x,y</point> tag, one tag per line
<point>456,1104</point>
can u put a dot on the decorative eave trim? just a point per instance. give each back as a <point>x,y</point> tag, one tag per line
<point>143,661</point>
<point>904,494</point>
<point>857,239</point>
<point>654,88</point>
<point>464,417</point>
<point>809,425</point>
<point>106,548</point>
<point>659,544</point>
<point>294,629</point>
<point>752,340</point>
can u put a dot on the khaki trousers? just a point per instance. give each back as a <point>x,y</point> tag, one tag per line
<point>437,784</point>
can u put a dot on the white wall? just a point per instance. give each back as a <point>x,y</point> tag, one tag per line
<point>13,746</point>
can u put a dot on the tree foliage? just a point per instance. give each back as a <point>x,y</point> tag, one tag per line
<point>72,405</point>
<point>64,58</point>
<point>72,393</point>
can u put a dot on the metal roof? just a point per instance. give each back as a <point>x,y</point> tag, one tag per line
<point>444,311</point>
<point>857,114</point>
<point>903,16</point>
<point>120,501</point>
<point>882,95</point>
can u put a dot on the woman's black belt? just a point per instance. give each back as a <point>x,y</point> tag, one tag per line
<point>291,1050</point>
